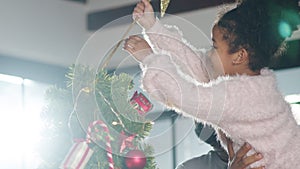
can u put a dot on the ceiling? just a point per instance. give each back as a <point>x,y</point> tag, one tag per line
<point>55,32</point>
<point>99,17</point>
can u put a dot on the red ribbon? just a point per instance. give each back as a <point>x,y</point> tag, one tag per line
<point>127,142</point>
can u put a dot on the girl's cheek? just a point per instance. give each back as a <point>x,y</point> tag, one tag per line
<point>214,64</point>
<point>217,64</point>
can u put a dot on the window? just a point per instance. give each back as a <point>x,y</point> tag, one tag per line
<point>294,100</point>
<point>21,103</point>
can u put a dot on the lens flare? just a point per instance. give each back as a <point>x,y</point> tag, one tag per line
<point>285,29</point>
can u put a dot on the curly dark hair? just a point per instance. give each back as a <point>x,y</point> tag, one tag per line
<point>253,25</point>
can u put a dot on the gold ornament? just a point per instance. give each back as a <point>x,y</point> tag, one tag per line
<point>163,6</point>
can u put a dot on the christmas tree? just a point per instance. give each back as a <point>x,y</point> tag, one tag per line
<point>96,124</point>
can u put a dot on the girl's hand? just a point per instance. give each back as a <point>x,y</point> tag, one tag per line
<point>239,160</point>
<point>137,47</point>
<point>143,14</point>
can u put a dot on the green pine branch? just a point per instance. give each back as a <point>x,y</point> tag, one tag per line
<point>112,95</point>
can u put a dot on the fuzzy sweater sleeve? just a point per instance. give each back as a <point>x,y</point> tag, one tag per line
<point>169,40</point>
<point>163,82</point>
<point>218,102</point>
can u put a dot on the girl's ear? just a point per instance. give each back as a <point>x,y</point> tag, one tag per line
<point>240,57</point>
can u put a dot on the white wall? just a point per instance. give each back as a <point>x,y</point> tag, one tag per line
<point>54,31</point>
<point>289,80</point>
<point>49,31</point>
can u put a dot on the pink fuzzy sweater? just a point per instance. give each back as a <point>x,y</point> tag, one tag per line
<point>246,108</point>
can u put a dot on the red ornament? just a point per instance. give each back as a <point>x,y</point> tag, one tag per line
<point>141,103</point>
<point>135,159</point>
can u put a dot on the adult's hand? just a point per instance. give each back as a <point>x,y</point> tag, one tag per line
<point>240,160</point>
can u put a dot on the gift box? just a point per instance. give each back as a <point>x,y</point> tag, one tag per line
<point>78,156</point>
<point>141,103</point>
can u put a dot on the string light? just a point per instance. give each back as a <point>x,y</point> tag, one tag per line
<point>115,123</point>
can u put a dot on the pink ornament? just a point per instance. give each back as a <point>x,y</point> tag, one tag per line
<point>135,159</point>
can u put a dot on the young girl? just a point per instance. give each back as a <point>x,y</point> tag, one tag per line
<point>244,102</point>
